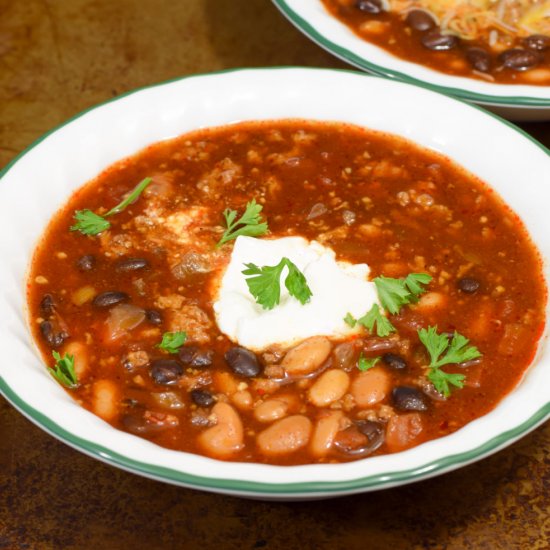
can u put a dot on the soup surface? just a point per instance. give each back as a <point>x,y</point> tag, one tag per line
<point>287,292</point>
<point>503,41</point>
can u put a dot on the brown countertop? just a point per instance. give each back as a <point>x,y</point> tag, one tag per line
<point>58,57</point>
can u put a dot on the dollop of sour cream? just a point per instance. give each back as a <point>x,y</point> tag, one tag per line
<point>337,288</point>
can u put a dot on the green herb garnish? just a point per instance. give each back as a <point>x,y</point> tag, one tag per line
<point>444,352</point>
<point>89,223</point>
<point>350,320</point>
<point>264,283</point>
<point>395,293</point>
<point>364,364</point>
<point>172,341</point>
<point>250,224</point>
<point>63,370</point>
<point>370,319</point>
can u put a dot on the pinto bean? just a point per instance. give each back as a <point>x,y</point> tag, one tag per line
<point>403,431</point>
<point>242,400</point>
<point>225,383</point>
<point>226,436</point>
<point>324,433</point>
<point>81,361</point>
<point>307,356</point>
<point>285,436</point>
<point>270,410</point>
<point>104,400</point>
<point>329,387</point>
<point>371,387</point>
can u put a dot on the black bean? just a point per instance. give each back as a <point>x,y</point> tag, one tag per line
<point>110,298</point>
<point>369,6</point>
<point>166,371</point>
<point>86,263</point>
<point>202,398</point>
<point>468,285</point>
<point>135,421</point>
<point>47,304</point>
<point>243,362</point>
<point>373,430</point>
<point>52,334</point>
<point>406,398</point>
<point>186,354</point>
<point>518,59</point>
<point>350,444</point>
<point>195,357</point>
<point>538,42</point>
<point>479,59</point>
<point>394,361</point>
<point>420,20</point>
<point>153,316</point>
<point>437,41</point>
<point>131,264</point>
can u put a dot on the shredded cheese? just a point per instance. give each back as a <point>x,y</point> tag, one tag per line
<point>479,19</point>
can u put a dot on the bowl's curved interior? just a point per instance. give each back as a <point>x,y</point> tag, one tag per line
<point>311,17</point>
<point>500,154</point>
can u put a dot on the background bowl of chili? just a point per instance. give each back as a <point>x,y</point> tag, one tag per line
<point>512,101</point>
<point>39,182</point>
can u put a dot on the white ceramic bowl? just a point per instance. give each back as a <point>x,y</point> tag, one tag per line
<point>40,181</point>
<point>516,102</point>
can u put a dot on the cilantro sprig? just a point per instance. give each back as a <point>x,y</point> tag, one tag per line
<point>63,370</point>
<point>370,319</point>
<point>90,223</point>
<point>250,224</point>
<point>443,351</point>
<point>364,364</point>
<point>396,293</point>
<point>172,341</point>
<point>265,285</point>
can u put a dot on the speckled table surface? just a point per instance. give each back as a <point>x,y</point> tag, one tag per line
<point>58,57</point>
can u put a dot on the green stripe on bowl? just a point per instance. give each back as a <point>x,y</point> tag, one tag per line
<point>378,481</point>
<point>362,63</point>
<point>243,486</point>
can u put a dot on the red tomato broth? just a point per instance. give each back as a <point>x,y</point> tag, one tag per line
<point>390,31</point>
<point>413,211</point>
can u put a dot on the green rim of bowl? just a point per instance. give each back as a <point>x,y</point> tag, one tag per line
<point>244,486</point>
<point>351,57</point>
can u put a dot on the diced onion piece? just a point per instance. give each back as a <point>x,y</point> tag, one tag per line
<point>123,318</point>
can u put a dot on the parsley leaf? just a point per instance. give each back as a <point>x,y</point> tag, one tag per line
<point>350,320</point>
<point>375,317</point>
<point>63,370</point>
<point>89,223</point>
<point>172,341</point>
<point>445,352</point>
<point>395,293</point>
<point>132,196</point>
<point>264,283</point>
<point>441,380</point>
<point>364,364</point>
<point>251,223</point>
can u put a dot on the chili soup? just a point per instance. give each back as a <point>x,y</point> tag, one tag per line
<point>287,292</point>
<point>506,42</point>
